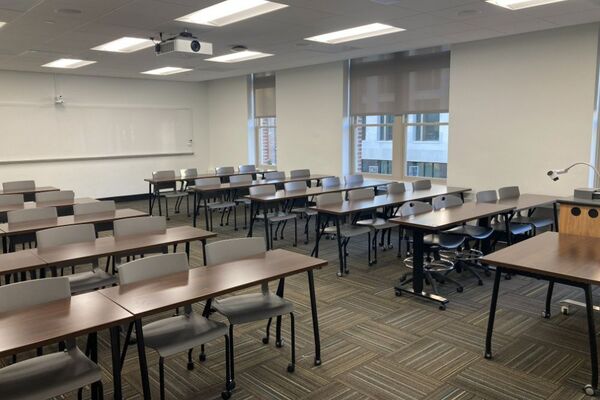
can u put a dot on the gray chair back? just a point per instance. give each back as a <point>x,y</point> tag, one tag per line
<point>208,182</point>
<point>423,184</point>
<point>508,192</point>
<point>396,188</point>
<point>487,196</point>
<point>361,194</point>
<point>262,190</point>
<point>11,199</point>
<point>63,235</point>
<point>247,168</point>
<point>139,225</point>
<point>332,181</point>
<point>22,295</point>
<point>18,185</point>
<point>329,198</point>
<point>296,185</point>
<point>446,201</point>
<point>300,173</point>
<point>224,170</point>
<point>356,179</point>
<point>58,195</point>
<point>152,267</point>
<point>240,179</point>
<point>164,175</point>
<point>95,207</point>
<point>274,175</point>
<point>188,172</point>
<point>414,208</point>
<point>31,214</point>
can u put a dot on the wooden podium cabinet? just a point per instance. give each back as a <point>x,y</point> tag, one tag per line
<point>579,216</point>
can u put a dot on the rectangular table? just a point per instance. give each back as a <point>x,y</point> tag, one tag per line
<point>558,258</point>
<point>57,204</point>
<point>436,221</point>
<point>53,322</point>
<point>29,194</point>
<point>339,210</point>
<point>198,284</point>
<point>528,201</point>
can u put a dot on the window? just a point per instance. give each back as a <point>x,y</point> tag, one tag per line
<point>373,144</point>
<point>266,140</point>
<point>427,145</point>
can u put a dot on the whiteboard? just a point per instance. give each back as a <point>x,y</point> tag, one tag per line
<point>33,132</point>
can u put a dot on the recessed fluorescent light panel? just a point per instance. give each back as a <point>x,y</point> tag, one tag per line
<point>519,4</point>
<point>230,11</point>
<point>166,71</point>
<point>239,56</point>
<point>360,32</point>
<point>125,45</point>
<point>70,63</point>
<point>2,24</point>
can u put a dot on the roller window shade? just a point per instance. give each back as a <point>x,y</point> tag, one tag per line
<point>264,96</point>
<point>400,83</point>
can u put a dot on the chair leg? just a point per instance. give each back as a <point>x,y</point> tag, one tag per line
<point>226,394</point>
<point>202,356</point>
<point>265,340</point>
<point>161,372</point>
<point>159,207</point>
<point>245,216</point>
<point>100,390</point>
<point>167,207</point>
<point>295,232</point>
<point>80,394</point>
<point>292,366</point>
<point>271,235</point>
<point>190,364</point>
<point>231,357</point>
<point>187,204</point>
<point>235,228</point>
<point>306,230</point>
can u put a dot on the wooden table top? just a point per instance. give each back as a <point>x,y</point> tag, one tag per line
<point>105,246</point>
<point>37,189</point>
<point>386,200</point>
<point>527,201</point>
<point>258,182</point>
<point>449,217</point>
<point>182,178</point>
<point>95,218</point>
<point>58,204</point>
<point>50,323</point>
<point>572,257</point>
<point>24,260</point>
<point>197,284</point>
<point>282,195</point>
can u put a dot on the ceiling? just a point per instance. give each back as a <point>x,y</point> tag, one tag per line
<point>36,33</point>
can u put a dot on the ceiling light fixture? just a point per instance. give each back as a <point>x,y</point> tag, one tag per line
<point>166,71</point>
<point>239,56</point>
<point>2,24</point>
<point>230,11</point>
<point>70,63</point>
<point>520,4</point>
<point>125,45</point>
<point>359,32</point>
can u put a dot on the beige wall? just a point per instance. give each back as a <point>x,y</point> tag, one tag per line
<point>109,177</point>
<point>522,105</point>
<point>310,118</point>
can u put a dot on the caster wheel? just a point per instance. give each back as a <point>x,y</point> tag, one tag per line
<point>347,272</point>
<point>235,229</point>
<point>508,277</point>
<point>231,385</point>
<point>480,283</point>
<point>589,390</point>
<point>459,289</point>
<point>488,356</point>
<point>488,273</point>
<point>317,362</point>
<point>202,357</point>
<point>225,395</point>
<point>306,242</point>
<point>190,366</point>
<point>339,274</point>
<point>291,368</point>
<point>564,310</point>
<point>265,340</point>
<point>279,344</point>
<point>545,315</point>
<point>442,307</point>
<point>295,245</point>
<point>383,249</point>
<point>398,293</point>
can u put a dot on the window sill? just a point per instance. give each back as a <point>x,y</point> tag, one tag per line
<point>439,181</point>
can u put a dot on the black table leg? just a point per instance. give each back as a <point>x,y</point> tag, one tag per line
<point>315,252</point>
<point>251,218</point>
<point>280,289</point>
<point>591,390</point>
<point>93,348</point>
<point>486,244</point>
<point>492,315</point>
<point>139,335</point>
<point>547,313</point>
<point>195,208</point>
<point>265,212</point>
<point>4,245</point>
<point>187,250</point>
<point>555,212</point>
<point>340,249</point>
<point>206,212</point>
<point>315,318</point>
<point>115,349</point>
<point>204,251</point>
<point>149,198</point>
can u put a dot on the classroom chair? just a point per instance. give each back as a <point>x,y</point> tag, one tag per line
<point>330,182</point>
<point>224,170</point>
<point>423,184</point>
<point>96,207</point>
<point>299,173</point>
<point>274,175</point>
<point>18,185</point>
<point>252,307</point>
<point>277,217</point>
<point>435,267</point>
<point>239,197</point>
<point>168,190</point>
<point>179,333</point>
<point>28,215</point>
<point>10,200</point>
<point>71,234</point>
<point>304,210</point>
<point>138,226</point>
<point>50,375</point>
<point>352,180</point>
<point>515,229</point>
<point>59,195</point>
<point>377,223</point>
<point>250,168</point>
<point>219,204</point>
<point>511,192</point>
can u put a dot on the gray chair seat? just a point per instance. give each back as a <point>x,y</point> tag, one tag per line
<point>252,307</point>
<point>349,231</point>
<point>220,205</point>
<point>173,194</point>
<point>537,222</point>
<point>515,229</point>
<point>48,376</point>
<point>377,224</point>
<point>243,200</point>
<point>446,241</point>
<point>180,333</point>
<point>476,232</point>
<point>90,280</point>
<point>306,211</point>
<point>279,217</point>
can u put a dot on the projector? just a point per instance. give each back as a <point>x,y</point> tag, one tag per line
<point>184,43</point>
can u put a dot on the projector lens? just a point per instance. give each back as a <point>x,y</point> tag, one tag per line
<point>195,46</point>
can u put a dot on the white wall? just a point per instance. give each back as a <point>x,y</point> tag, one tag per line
<point>228,122</point>
<point>110,177</point>
<point>310,118</point>
<point>522,105</point>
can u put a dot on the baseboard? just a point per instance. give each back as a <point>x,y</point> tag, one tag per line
<point>130,197</point>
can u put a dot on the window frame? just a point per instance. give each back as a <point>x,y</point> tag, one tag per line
<point>354,125</point>
<point>258,147</point>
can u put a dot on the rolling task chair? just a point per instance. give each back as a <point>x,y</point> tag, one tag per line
<point>515,229</point>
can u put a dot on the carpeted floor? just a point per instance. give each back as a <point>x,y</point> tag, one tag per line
<point>379,346</point>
